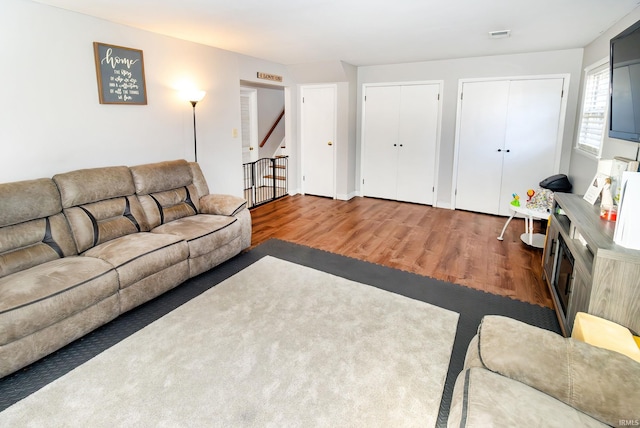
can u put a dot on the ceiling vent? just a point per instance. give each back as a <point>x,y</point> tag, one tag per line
<point>500,34</point>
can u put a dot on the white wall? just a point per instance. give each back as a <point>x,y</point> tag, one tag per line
<point>51,120</point>
<point>583,167</point>
<point>450,71</point>
<point>347,125</point>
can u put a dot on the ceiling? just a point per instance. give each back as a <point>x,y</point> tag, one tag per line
<point>368,32</point>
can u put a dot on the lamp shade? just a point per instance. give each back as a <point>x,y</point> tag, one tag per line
<point>193,95</point>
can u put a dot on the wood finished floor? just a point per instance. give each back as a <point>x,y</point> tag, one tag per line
<point>454,246</point>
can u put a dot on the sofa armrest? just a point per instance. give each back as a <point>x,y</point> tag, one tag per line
<point>222,204</point>
<point>596,381</point>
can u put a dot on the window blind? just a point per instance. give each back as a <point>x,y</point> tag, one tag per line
<point>594,110</point>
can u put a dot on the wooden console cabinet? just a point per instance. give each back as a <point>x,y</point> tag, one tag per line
<point>605,280</point>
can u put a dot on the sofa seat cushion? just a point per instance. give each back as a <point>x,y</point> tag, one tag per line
<point>482,398</point>
<point>43,295</point>
<point>204,233</point>
<point>139,255</point>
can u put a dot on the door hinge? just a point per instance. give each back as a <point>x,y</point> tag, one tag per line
<point>562,94</point>
<point>365,98</point>
<point>461,95</point>
<point>433,189</point>
<point>438,97</point>
<point>363,181</point>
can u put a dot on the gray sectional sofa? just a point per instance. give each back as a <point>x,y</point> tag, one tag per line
<point>83,247</point>
<point>519,375</point>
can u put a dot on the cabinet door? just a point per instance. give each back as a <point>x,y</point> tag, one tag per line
<point>550,251</point>
<point>417,137</point>
<point>579,297</point>
<point>531,136</point>
<point>382,115</point>
<point>482,126</point>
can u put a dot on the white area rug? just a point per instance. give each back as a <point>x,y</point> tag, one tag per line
<point>277,344</point>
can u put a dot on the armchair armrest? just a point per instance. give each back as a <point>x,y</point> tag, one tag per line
<point>596,381</point>
<point>222,204</point>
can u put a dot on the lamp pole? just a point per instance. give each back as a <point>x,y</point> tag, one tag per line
<point>195,143</point>
<point>193,97</point>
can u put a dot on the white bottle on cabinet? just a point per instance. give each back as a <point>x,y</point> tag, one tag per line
<point>627,230</point>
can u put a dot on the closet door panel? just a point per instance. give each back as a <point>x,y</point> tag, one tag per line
<point>480,146</point>
<point>381,141</point>
<point>531,136</point>
<point>417,143</point>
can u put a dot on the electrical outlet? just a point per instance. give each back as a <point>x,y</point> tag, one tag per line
<point>234,133</point>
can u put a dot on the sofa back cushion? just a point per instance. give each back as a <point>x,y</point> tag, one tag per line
<point>198,179</point>
<point>32,228</point>
<point>596,381</point>
<point>100,205</point>
<point>166,191</point>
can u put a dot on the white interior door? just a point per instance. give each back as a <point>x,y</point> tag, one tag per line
<point>318,139</point>
<point>481,129</point>
<point>531,136</point>
<point>382,117</point>
<point>417,143</point>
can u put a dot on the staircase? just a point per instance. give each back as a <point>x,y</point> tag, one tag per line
<point>265,180</point>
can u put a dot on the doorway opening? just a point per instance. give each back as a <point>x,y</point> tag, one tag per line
<point>264,149</point>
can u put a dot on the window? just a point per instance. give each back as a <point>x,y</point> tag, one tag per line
<point>594,108</point>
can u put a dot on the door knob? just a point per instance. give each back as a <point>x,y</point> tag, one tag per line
<point>499,150</point>
<point>329,143</point>
<point>250,148</point>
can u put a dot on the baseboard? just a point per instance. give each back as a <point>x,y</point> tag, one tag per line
<point>347,197</point>
<point>446,205</point>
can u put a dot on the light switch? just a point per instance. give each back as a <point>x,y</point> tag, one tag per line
<point>234,133</point>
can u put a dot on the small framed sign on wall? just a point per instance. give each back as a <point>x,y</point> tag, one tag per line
<point>120,73</point>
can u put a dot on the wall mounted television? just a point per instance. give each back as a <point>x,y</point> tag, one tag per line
<point>624,63</point>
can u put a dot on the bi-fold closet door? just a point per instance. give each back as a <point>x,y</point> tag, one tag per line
<point>508,139</point>
<point>400,142</point>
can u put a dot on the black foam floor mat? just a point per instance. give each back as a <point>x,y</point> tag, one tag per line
<point>471,304</point>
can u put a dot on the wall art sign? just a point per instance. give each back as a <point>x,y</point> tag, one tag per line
<point>267,76</point>
<point>120,73</point>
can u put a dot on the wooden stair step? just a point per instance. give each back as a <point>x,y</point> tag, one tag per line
<point>278,177</point>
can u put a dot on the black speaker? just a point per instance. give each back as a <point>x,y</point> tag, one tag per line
<point>557,183</point>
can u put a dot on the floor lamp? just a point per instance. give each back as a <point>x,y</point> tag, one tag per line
<point>194,97</point>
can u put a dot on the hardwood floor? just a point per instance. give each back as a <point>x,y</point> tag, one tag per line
<point>454,246</point>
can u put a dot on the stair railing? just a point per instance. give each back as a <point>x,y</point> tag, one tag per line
<point>275,124</point>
